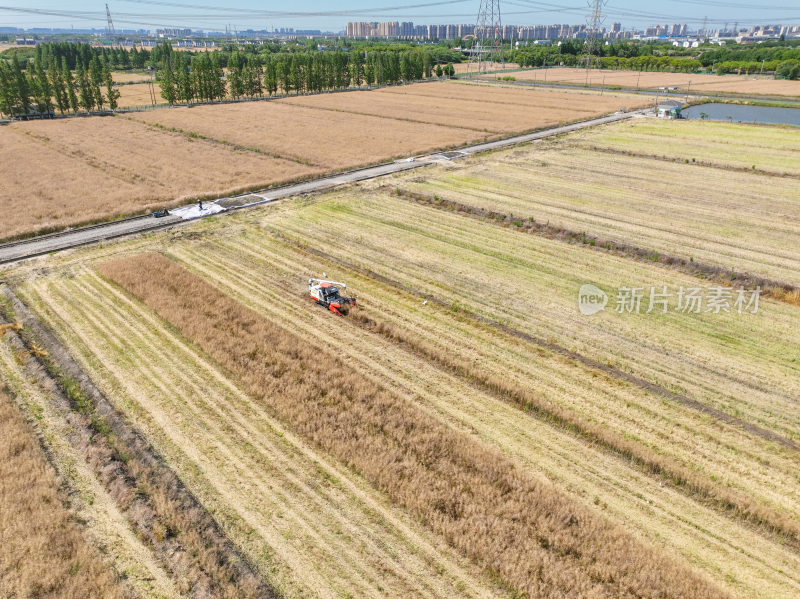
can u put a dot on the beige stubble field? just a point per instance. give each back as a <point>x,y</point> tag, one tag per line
<point>84,170</point>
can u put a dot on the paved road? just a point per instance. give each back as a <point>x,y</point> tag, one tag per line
<point>46,244</point>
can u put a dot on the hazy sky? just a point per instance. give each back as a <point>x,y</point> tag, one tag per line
<point>315,14</point>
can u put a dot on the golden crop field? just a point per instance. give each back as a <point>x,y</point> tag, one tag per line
<point>737,84</point>
<point>104,167</point>
<point>708,192</point>
<point>663,443</point>
<point>466,430</point>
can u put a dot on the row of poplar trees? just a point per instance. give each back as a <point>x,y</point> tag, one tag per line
<point>36,91</point>
<point>202,78</point>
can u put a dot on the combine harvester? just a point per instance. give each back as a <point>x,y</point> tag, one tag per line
<point>327,294</point>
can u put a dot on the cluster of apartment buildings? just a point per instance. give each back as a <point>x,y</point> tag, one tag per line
<point>409,30</point>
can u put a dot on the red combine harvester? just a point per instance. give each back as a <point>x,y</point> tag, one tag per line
<point>328,294</point>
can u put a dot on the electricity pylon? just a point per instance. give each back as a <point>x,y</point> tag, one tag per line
<point>110,26</point>
<point>488,46</point>
<point>594,21</point>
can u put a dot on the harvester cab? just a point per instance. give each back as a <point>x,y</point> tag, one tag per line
<point>330,294</point>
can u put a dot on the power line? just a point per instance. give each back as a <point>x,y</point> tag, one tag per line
<point>276,13</point>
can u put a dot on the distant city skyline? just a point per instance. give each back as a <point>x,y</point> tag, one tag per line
<point>315,14</point>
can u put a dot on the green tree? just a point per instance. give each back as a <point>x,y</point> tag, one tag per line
<point>235,75</point>
<point>168,90</point>
<point>85,89</point>
<point>439,70</point>
<point>217,78</point>
<point>183,78</point>
<point>22,96</point>
<point>788,69</point>
<point>112,94</point>
<point>59,87</point>
<point>254,74</point>
<point>357,69</point>
<point>270,75</point>
<point>69,82</point>
<point>8,92</point>
<point>96,80</point>
<point>427,65</point>
<point>43,91</point>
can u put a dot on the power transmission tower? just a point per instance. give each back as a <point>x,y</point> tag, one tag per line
<point>488,46</point>
<point>594,21</point>
<point>110,26</point>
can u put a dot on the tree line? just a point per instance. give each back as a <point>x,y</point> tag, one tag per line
<point>81,54</point>
<point>39,91</point>
<point>212,76</point>
<point>779,57</point>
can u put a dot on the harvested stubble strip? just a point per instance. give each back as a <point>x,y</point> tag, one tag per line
<point>521,530</point>
<point>43,552</point>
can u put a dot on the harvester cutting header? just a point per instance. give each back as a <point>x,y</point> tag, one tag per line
<point>330,295</point>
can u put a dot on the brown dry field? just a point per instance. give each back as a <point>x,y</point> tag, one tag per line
<point>470,106</point>
<point>130,77</point>
<point>357,139</point>
<point>740,84</point>
<point>327,140</point>
<point>44,553</point>
<point>138,94</point>
<point>102,167</point>
<point>466,67</point>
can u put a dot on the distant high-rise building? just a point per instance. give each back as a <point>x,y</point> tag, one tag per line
<point>388,29</point>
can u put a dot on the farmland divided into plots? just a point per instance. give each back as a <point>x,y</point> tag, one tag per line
<point>77,171</point>
<point>696,83</point>
<point>466,431</point>
<point>704,192</point>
